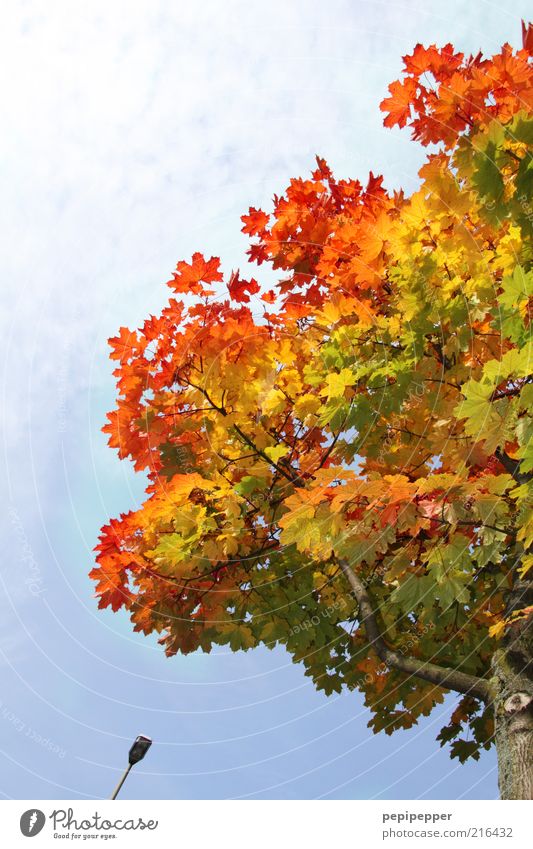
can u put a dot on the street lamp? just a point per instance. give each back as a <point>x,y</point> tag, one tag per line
<point>136,754</point>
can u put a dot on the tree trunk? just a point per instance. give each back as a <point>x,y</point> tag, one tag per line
<point>513,716</point>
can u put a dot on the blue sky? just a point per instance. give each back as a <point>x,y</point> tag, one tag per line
<point>134,134</point>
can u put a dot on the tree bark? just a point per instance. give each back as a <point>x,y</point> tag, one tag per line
<point>512,687</point>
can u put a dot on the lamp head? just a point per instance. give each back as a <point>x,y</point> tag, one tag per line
<point>139,749</point>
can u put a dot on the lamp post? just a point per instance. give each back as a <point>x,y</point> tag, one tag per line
<point>136,754</point>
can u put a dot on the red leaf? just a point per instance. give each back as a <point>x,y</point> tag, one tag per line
<point>189,277</point>
<point>240,290</point>
<point>125,345</point>
<point>422,59</point>
<point>398,105</point>
<point>527,37</point>
<point>255,222</point>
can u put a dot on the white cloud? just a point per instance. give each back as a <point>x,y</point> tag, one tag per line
<point>138,132</point>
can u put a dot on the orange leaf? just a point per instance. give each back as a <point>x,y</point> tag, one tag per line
<point>255,222</point>
<point>189,277</point>
<point>398,105</point>
<point>240,290</point>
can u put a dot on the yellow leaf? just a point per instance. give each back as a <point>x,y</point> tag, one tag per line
<point>497,629</point>
<point>526,565</point>
<point>525,534</point>
<point>184,484</point>
<point>337,383</point>
<point>275,452</point>
<point>306,405</point>
<point>231,545</point>
<point>273,403</point>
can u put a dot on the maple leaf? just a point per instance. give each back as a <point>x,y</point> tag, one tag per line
<point>240,290</point>
<point>189,277</point>
<point>125,346</point>
<point>421,60</point>
<point>255,222</point>
<point>398,105</point>
<point>448,61</point>
<point>527,37</point>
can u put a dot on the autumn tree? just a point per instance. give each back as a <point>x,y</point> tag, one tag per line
<point>343,465</point>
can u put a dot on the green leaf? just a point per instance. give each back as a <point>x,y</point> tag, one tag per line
<point>476,403</point>
<point>413,591</point>
<point>464,749</point>
<point>249,484</point>
<point>517,287</point>
<point>169,552</point>
<point>487,177</point>
<point>241,638</point>
<point>336,383</point>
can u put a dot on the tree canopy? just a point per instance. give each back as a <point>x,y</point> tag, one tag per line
<point>343,464</point>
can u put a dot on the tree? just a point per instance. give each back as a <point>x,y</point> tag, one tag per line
<point>343,465</point>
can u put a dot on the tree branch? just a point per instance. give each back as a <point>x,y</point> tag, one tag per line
<point>512,466</point>
<point>451,679</point>
<point>289,473</point>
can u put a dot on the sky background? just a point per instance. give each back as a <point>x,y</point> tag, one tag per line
<point>134,134</point>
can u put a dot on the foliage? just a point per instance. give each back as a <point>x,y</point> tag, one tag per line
<point>375,407</point>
